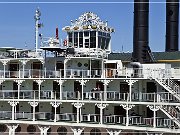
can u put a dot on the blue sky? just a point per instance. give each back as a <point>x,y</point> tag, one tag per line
<point>17,21</point>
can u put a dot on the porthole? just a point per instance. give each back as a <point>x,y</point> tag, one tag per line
<point>85,64</point>
<point>62,131</point>
<point>79,64</point>
<point>31,129</point>
<point>3,128</point>
<point>95,131</point>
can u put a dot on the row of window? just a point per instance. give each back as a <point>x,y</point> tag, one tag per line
<point>89,39</point>
<point>31,129</point>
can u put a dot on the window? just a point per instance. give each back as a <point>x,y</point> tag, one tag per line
<point>62,131</point>
<point>80,39</point>
<point>3,128</point>
<point>86,33</point>
<point>93,39</point>
<point>95,131</point>
<point>70,37</point>
<point>31,129</point>
<point>75,39</point>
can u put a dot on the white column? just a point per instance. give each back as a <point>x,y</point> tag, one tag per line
<point>19,82</point>
<point>82,83</point>
<point>78,106</point>
<point>13,104</point>
<point>55,105</point>
<point>113,132</point>
<point>60,82</point>
<point>4,62</point>
<point>12,128</point>
<point>105,83</point>
<point>23,64</point>
<point>77,131</point>
<point>34,104</point>
<point>154,108</point>
<point>127,107</point>
<point>65,62</point>
<point>43,129</point>
<point>130,83</point>
<point>39,86</point>
<point>101,107</point>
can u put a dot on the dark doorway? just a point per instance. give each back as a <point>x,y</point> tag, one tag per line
<point>13,68</point>
<point>36,69</point>
<point>56,88</point>
<point>36,90</point>
<point>15,94</point>
<point>151,87</point>
<point>119,110</point>
<point>124,88</point>
<point>99,86</point>
<point>149,113</point>
<point>60,67</point>
<point>77,89</point>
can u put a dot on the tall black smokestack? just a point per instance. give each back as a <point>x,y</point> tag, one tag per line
<point>141,30</point>
<point>172,20</point>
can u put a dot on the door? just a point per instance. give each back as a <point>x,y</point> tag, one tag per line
<point>14,68</point>
<point>15,94</point>
<point>77,89</point>
<point>60,68</point>
<point>36,69</point>
<point>124,90</point>
<point>36,89</point>
<point>151,88</point>
<point>118,110</point>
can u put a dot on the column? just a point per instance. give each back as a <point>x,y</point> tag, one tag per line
<point>154,108</point>
<point>39,86</point>
<point>12,128</point>
<point>42,61</point>
<point>78,107</point>
<point>130,83</point>
<point>113,131</point>
<point>77,131</point>
<point>19,82</point>
<point>55,105</point>
<point>60,82</point>
<point>105,83</point>
<point>101,107</point>
<point>33,104</point>
<point>82,83</point>
<point>65,62</point>
<point>4,62</point>
<point>127,107</point>
<point>23,64</point>
<point>43,129</point>
<point>13,104</point>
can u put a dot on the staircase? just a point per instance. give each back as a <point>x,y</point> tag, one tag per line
<point>170,86</point>
<point>172,113</point>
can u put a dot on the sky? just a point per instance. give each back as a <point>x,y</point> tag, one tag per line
<point>17,25</point>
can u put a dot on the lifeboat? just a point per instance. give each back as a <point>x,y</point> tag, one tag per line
<point>85,27</point>
<point>94,27</point>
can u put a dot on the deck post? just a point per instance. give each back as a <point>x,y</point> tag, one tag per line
<point>13,104</point>
<point>43,129</point>
<point>77,131</point>
<point>12,128</point>
<point>55,104</point>
<point>101,107</point>
<point>78,107</point>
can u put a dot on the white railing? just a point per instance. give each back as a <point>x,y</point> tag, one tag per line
<point>81,73</point>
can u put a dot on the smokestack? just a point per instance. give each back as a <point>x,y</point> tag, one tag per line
<point>141,31</point>
<point>57,33</point>
<point>172,28</point>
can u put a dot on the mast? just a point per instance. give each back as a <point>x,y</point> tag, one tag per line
<point>37,26</point>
